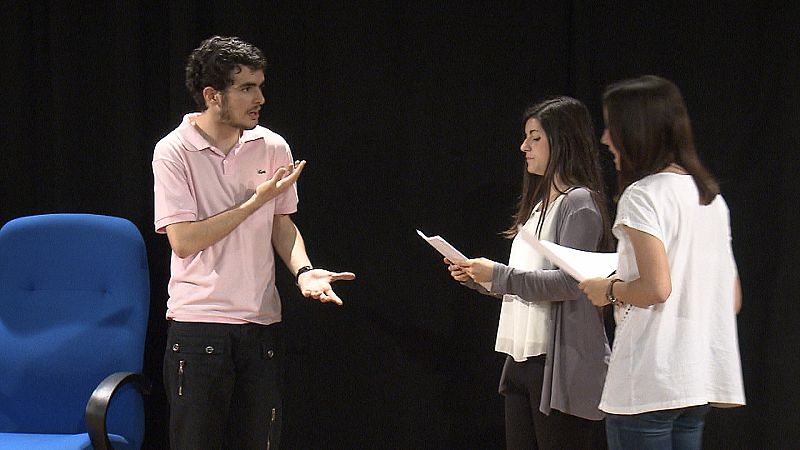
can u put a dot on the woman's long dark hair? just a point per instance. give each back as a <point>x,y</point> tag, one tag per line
<point>649,125</point>
<point>574,158</point>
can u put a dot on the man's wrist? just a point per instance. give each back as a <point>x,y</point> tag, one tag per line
<point>301,271</point>
<point>251,205</point>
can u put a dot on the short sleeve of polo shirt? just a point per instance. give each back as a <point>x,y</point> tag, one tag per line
<point>286,202</point>
<point>637,210</point>
<point>174,199</point>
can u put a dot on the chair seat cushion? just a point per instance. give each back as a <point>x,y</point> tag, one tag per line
<point>17,441</point>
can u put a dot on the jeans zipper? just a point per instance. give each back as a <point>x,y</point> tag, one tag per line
<point>181,365</point>
<point>269,430</point>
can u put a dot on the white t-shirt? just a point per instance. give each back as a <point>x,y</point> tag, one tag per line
<point>523,328</point>
<point>685,351</point>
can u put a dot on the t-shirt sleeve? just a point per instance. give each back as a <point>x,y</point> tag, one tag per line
<point>174,201</point>
<point>636,210</point>
<point>726,214</point>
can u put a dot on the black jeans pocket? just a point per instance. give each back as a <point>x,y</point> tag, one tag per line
<point>196,364</point>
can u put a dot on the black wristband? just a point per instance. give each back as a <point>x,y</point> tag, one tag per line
<point>301,271</point>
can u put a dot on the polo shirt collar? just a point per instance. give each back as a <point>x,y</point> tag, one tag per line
<point>251,135</point>
<point>192,139</point>
<point>195,141</point>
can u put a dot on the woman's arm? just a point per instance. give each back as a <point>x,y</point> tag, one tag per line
<point>654,284</point>
<point>580,228</point>
<point>459,274</point>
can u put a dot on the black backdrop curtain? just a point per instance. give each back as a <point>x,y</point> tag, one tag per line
<point>408,113</point>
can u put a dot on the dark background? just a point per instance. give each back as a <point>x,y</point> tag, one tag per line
<point>408,114</point>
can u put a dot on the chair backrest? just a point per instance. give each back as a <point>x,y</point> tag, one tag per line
<point>74,301</point>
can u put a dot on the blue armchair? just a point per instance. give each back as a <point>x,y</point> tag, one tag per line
<point>74,301</point>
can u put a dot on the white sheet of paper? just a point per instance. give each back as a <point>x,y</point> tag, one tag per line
<point>443,247</point>
<point>580,264</point>
<point>447,250</point>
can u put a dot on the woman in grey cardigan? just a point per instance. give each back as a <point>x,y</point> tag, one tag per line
<point>554,337</point>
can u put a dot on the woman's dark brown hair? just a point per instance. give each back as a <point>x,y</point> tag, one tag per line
<point>649,125</point>
<point>574,158</point>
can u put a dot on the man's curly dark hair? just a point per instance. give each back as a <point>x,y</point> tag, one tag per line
<point>214,61</point>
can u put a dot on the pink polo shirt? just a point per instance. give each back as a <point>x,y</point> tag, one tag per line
<point>233,281</point>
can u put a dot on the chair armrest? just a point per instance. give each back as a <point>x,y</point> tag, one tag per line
<point>97,406</point>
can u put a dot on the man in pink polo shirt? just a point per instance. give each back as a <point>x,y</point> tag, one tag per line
<point>224,190</point>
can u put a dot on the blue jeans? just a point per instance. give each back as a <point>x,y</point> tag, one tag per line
<point>669,429</point>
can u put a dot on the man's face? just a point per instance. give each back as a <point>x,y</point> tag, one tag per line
<point>241,102</point>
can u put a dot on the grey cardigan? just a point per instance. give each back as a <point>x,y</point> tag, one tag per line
<point>577,346</point>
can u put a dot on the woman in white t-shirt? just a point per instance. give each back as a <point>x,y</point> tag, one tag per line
<point>554,337</point>
<point>676,291</point>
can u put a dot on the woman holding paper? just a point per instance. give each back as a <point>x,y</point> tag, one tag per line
<point>676,290</point>
<point>554,337</point>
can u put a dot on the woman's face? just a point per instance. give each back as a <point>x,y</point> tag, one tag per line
<point>606,140</point>
<point>536,147</point>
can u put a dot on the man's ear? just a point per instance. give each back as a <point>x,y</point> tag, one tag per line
<point>211,96</point>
